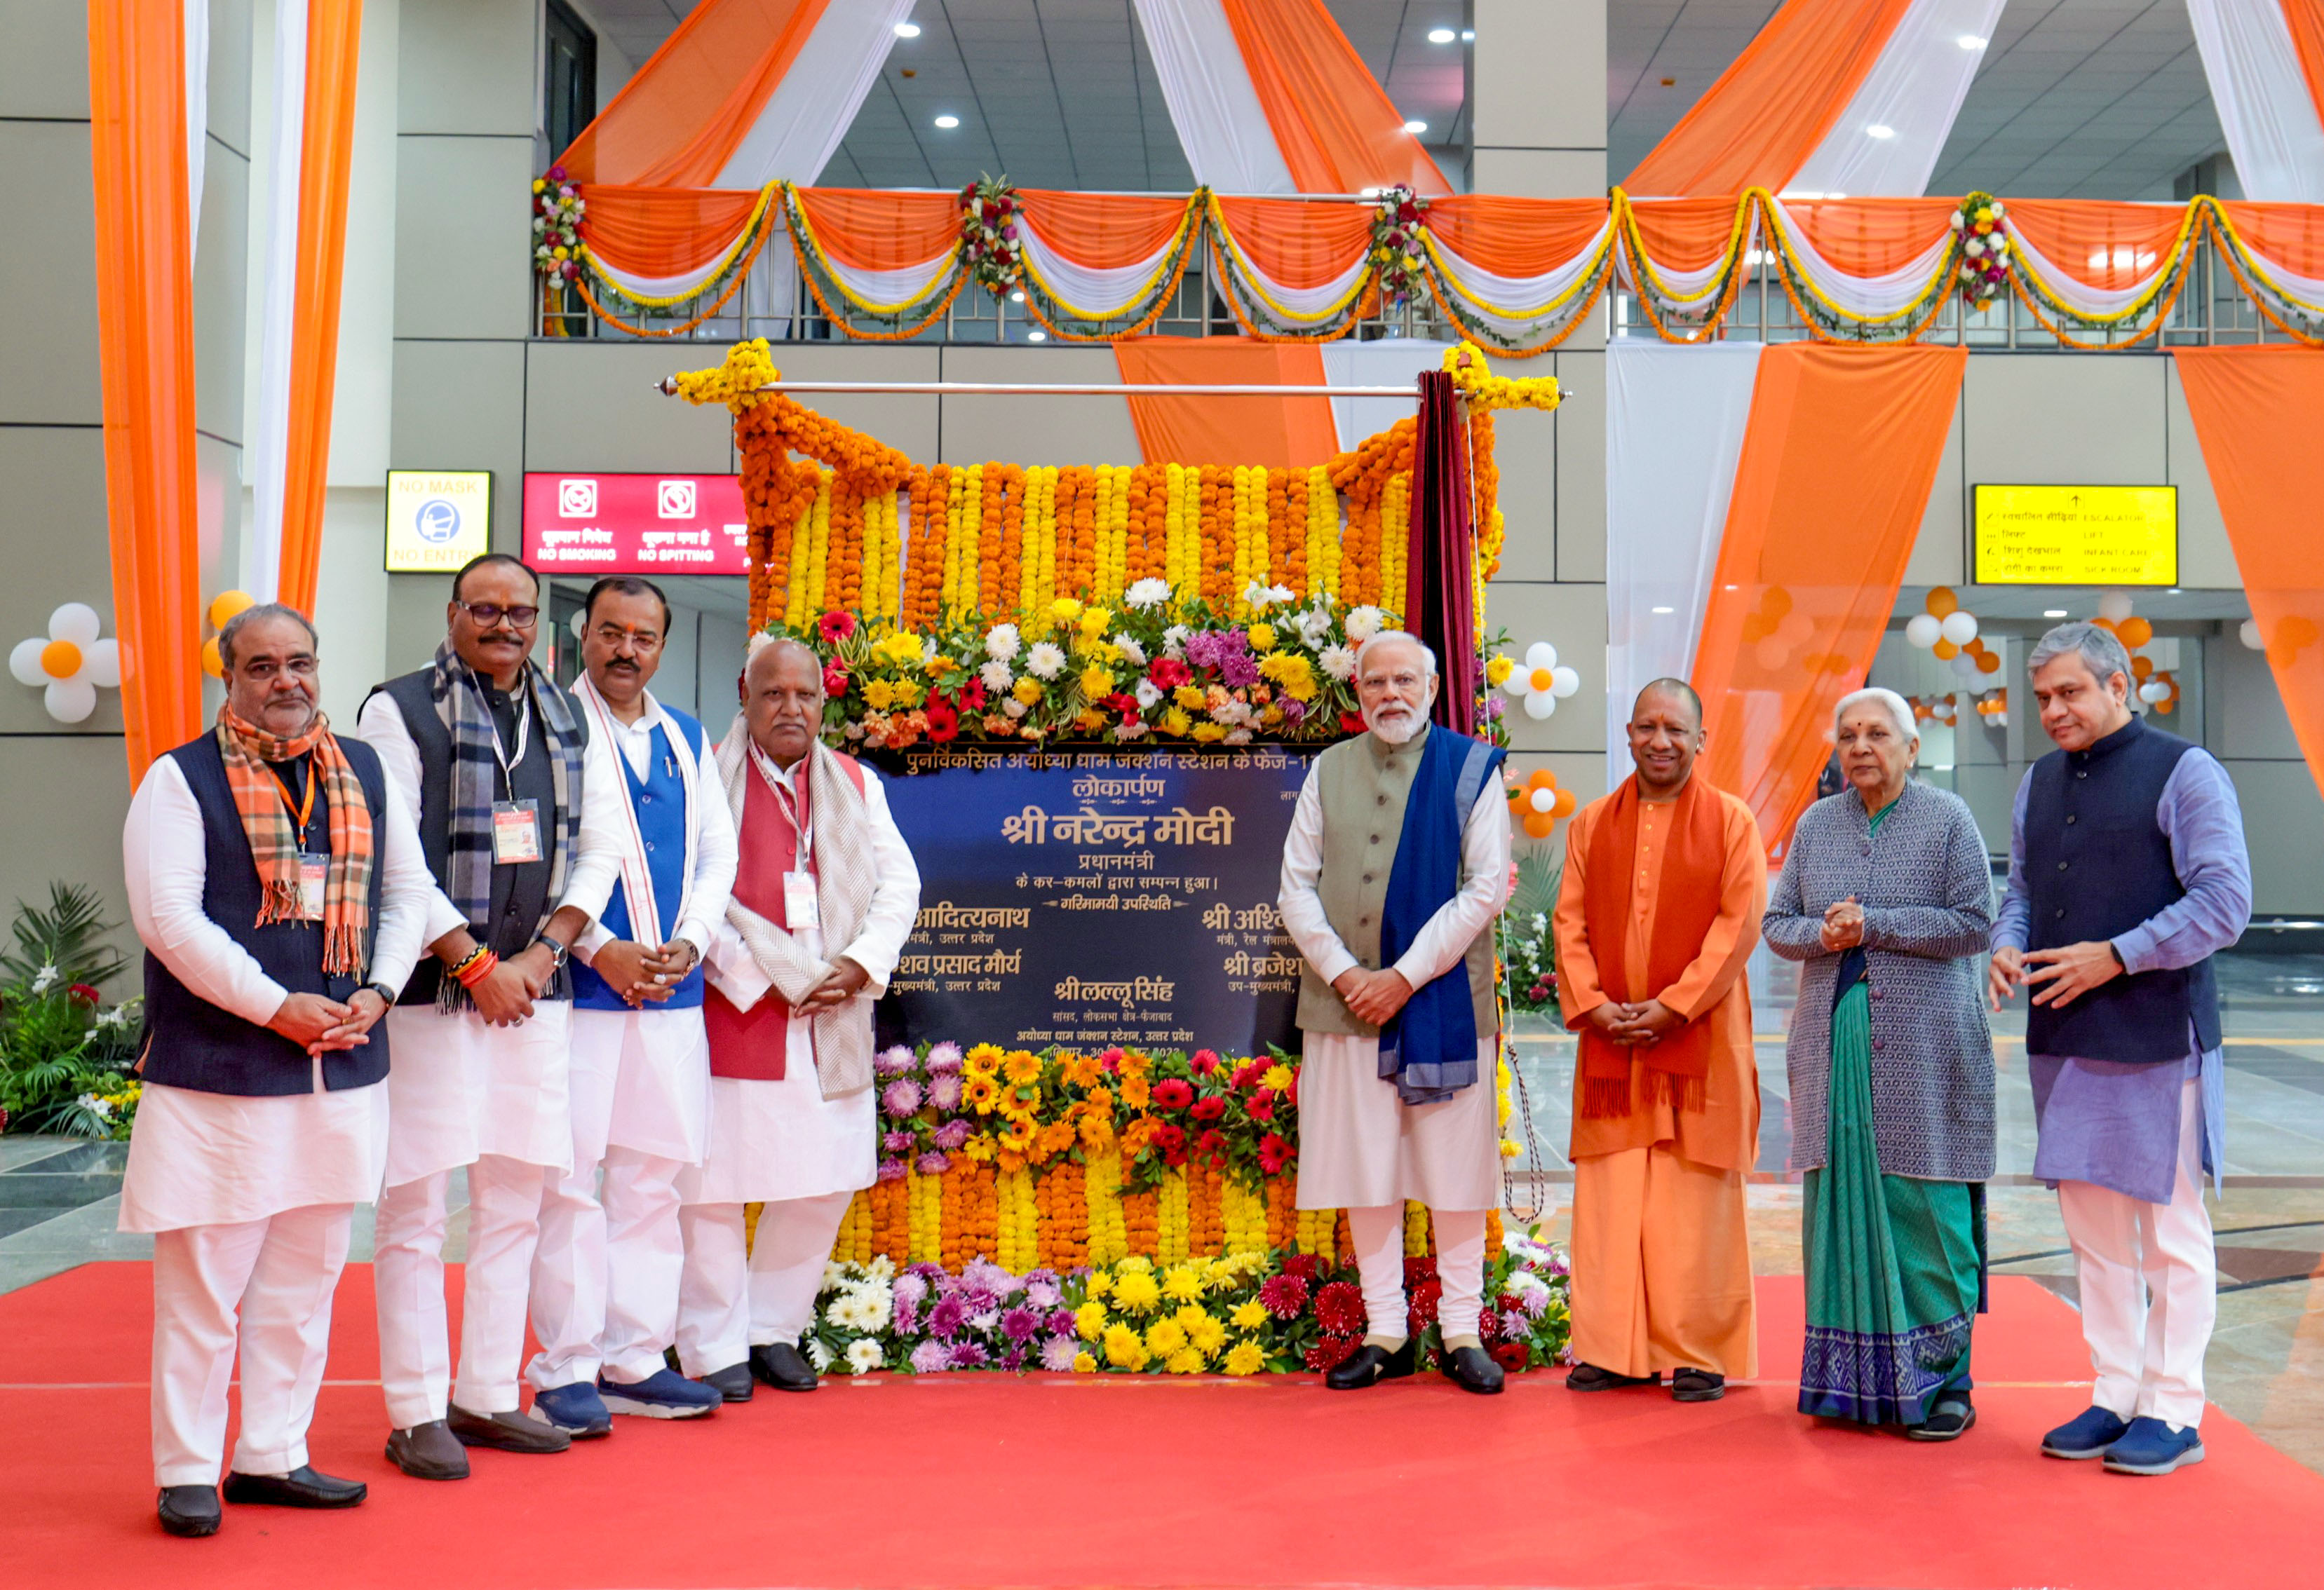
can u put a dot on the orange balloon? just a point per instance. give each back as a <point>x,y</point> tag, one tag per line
<point>2135,631</point>
<point>213,664</point>
<point>1988,662</point>
<point>1541,778</point>
<point>1945,651</point>
<point>2103,623</point>
<point>2167,703</point>
<point>2140,666</point>
<point>1566,801</point>
<point>1941,600</point>
<point>1756,628</point>
<point>1776,602</point>
<point>1539,824</point>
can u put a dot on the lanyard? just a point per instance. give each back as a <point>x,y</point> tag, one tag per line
<point>791,797</point>
<point>302,812</point>
<point>523,731</point>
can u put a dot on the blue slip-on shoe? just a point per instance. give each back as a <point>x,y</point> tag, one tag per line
<point>663,1395</point>
<point>575,1409</point>
<point>2152,1447</point>
<point>2089,1435</point>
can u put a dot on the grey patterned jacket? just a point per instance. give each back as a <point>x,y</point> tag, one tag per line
<point>1927,894</point>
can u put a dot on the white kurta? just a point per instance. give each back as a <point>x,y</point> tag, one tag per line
<point>1360,1146</point>
<point>216,1159</point>
<point>779,1139</point>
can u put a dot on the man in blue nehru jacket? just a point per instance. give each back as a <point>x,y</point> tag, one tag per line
<point>2127,872</point>
<point>280,888</point>
<point>657,866</point>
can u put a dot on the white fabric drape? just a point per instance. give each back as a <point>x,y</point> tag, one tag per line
<point>1104,291</point>
<point>1220,125</point>
<point>1534,298</point>
<point>269,440</point>
<point>1674,425</point>
<point>904,285</point>
<point>1392,360</point>
<point>2275,128</point>
<point>1885,294</point>
<point>2082,299</point>
<point>811,108</point>
<point>198,115</point>
<point>1914,91</point>
<point>1309,301</point>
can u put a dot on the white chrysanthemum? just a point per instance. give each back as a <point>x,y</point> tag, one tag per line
<point>1237,737</point>
<point>1132,650</point>
<point>865,1356</point>
<point>1148,692</point>
<point>1001,643</point>
<point>1363,624</point>
<point>1045,661</point>
<point>1339,662</point>
<point>880,1268</point>
<point>996,676</point>
<point>1013,707</point>
<point>1174,641</point>
<point>1146,595</point>
<point>835,1274</point>
<point>1262,597</point>
<point>817,1353</point>
<point>1130,728</point>
<point>874,1305</point>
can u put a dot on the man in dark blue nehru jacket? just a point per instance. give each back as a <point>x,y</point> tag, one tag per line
<point>278,883</point>
<point>2127,872</point>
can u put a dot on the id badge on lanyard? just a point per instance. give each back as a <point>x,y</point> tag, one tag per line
<point>800,909</point>
<point>516,832</point>
<point>313,870</point>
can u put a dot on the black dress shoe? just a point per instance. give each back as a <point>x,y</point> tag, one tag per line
<point>192,1511</point>
<point>1369,1365</point>
<point>429,1452</point>
<point>1472,1369</point>
<point>507,1432</point>
<point>732,1383</point>
<point>1697,1385</point>
<point>302,1487</point>
<point>1589,1377</point>
<point>782,1367</point>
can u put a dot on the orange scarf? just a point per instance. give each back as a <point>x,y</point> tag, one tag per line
<point>275,840</point>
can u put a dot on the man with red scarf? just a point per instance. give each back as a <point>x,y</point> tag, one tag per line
<point>1657,911</point>
<point>278,882</point>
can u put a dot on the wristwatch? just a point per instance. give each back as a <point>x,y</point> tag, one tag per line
<point>388,996</point>
<point>557,952</point>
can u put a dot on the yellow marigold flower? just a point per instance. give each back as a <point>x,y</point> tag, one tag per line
<point>1100,1283</point>
<point>1090,718</point>
<point>899,649</point>
<point>1263,636</point>
<point>1498,671</point>
<point>1026,690</point>
<point>1136,1264</point>
<point>1243,1359</point>
<point>1135,1292</point>
<point>1509,1150</point>
<point>1175,721</point>
<point>1064,609</point>
<point>1085,1364</point>
<point>981,1094</point>
<point>1090,1320</point>
<point>1185,1361</point>
<point>1206,1336</point>
<point>879,695</point>
<point>1165,1336</point>
<point>1249,1315</point>
<point>1021,1066</point>
<point>1210,733</point>
<point>1191,697</point>
<point>907,694</point>
<point>1097,681</point>
<point>1189,1316</point>
<point>1277,1076</point>
<point>1124,1348</point>
<point>1095,619</point>
<point>1182,1284</point>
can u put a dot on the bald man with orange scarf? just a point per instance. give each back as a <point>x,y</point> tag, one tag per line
<point>1657,912</point>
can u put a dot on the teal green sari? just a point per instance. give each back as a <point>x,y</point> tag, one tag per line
<point>1896,1266</point>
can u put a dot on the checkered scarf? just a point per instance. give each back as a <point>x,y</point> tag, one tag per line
<point>459,701</point>
<point>275,841</point>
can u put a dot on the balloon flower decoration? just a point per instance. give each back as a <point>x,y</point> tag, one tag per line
<point>1992,706</point>
<point>2155,688</point>
<point>1541,681</point>
<point>1949,630</point>
<point>1537,804</point>
<point>70,664</point>
<point>222,609</point>
<point>2292,631</point>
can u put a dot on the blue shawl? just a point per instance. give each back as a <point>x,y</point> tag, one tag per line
<point>1429,1048</point>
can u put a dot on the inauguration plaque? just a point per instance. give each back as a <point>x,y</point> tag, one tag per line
<point>1087,899</point>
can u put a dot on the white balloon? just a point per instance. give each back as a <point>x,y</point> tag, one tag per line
<point>2115,606</point>
<point>24,661</point>
<point>580,616</point>
<point>101,664</point>
<point>1540,704</point>
<point>1924,629</point>
<point>78,622</point>
<point>2151,693</point>
<point>1543,800</point>
<point>1564,682</point>
<point>1964,665</point>
<point>2001,720</point>
<point>1541,654</point>
<point>2251,637</point>
<point>1518,682</point>
<point>69,700</point>
<point>1959,627</point>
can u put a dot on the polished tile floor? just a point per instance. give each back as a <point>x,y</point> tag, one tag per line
<point>60,1199</point>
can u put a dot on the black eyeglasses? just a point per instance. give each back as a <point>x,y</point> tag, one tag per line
<point>489,613</point>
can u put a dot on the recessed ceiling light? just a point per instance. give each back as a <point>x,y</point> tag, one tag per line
<point>2053,612</point>
<point>947,122</point>
<point>1665,609</point>
<point>1878,131</point>
<point>1441,35</point>
<point>907,30</point>
<point>2173,591</point>
<point>1037,336</point>
<point>1415,127</point>
<point>1018,297</point>
<point>1970,41</point>
<point>1468,35</point>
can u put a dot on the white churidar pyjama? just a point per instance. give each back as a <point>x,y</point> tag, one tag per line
<point>1377,1234</point>
<point>726,1310</point>
<point>504,1198</point>
<point>2149,1283</point>
<point>278,1273</point>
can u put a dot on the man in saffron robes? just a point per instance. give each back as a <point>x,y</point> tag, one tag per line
<point>823,897</point>
<point>1397,862</point>
<point>1657,911</point>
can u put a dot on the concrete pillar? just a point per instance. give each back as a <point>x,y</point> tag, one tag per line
<point>1538,85</point>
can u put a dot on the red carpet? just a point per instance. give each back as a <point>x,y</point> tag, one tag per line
<point>988,1480</point>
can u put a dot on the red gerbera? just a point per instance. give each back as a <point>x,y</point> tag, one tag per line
<point>1211,1145</point>
<point>971,697</point>
<point>1331,1352</point>
<point>1285,1295</point>
<point>1202,1063</point>
<point>837,625</point>
<point>82,995</point>
<point>1274,1153</point>
<point>1261,1105</point>
<point>1174,1093</point>
<point>944,722</point>
<point>1248,1073</point>
<point>1340,1308</point>
<point>1209,1108</point>
<point>1168,673</point>
<point>1351,722</point>
<point>1511,1357</point>
<point>834,680</point>
<point>1110,1060</point>
<point>1306,1267</point>
<point>1172,1141</point>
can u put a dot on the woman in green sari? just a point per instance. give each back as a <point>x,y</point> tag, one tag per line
<point>1885,898</point>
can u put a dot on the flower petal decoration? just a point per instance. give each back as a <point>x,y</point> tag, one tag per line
<point>70,663</point>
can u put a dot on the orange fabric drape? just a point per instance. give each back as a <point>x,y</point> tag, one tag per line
<point>1756,125</point>
<point>1685,233</point>
<point>1295,244</point>
<point>1281,433</point>
<point>658,232</point>
<point>1331,118</point>
<point>2104,244</point>
<point>677,121</point>
<point>2289,235</point>
<point>145,359</point>
<point>2305,19</point>
<point>2255,411</point>
<point>872,229</point>
<point>1838,459</point>
<point>1102,230</point>
<point>1516,237</point>
<point>334,41</point>
<point>1871,237</point>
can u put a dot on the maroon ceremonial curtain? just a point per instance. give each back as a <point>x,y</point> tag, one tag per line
<point>1439,591</point>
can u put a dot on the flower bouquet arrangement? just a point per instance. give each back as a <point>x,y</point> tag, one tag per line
<point>558,207</point>
<point>1982,227</point>
<point>1528,948</point>
<point>1398,256</point>
<point>988,243</point>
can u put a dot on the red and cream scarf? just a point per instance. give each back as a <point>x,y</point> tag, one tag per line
<point>273,831</point>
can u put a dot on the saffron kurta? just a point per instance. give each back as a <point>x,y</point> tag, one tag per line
<point>1662,1263</point>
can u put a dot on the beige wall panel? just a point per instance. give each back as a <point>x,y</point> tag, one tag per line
<point>44,70</point>
<point>230,69</point>
<point>415,619</point>
<point>1580,431</point>
<point>2281,818</point>
<point>1572,618</point>
<point>78,785</point>
<point>1528,448</point>
<point>463,238</point>
<point>218,514</point>
<point>351,604</point>
<point>1539,173</point>
<point>221,294</point>
<point>2069,418</point>
<point>1540,78</point>
<point>52,499</point>
<point>1939,552</point>
<point>48,260</point>
<point>2206,557</point>
<point>467,67</point>
<point>591,406</point>
<point>1037,430</point>
<point>461,406</point>
<point>1582,772</point>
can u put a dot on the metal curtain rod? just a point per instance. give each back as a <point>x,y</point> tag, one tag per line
<point>1075,389</point>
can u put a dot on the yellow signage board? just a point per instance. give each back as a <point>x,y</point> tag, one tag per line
<point>2077,535</point>
<point>437,518</point>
